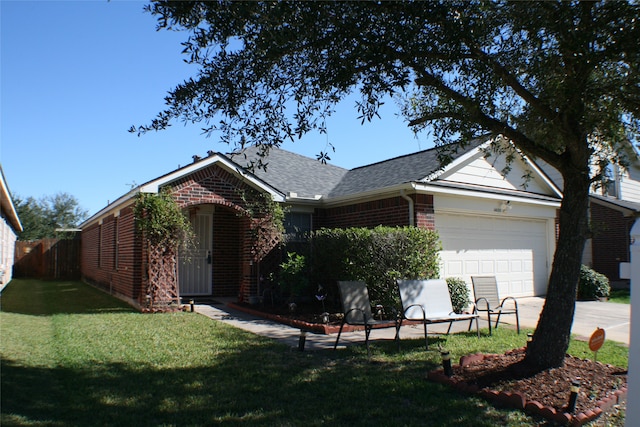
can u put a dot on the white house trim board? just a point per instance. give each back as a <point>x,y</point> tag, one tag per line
<point>484,193</point>
<point>155,185</point>
<point>6,202</point>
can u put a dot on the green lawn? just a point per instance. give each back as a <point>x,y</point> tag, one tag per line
<point>72,355</point>
<point>622,296</point>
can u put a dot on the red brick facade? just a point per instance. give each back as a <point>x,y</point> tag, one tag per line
<point>610,242</point>
<point>114,257</point>
<point>392,211</point>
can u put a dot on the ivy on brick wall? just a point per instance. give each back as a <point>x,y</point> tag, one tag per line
<point>267,215</point>
<point>161,220</point>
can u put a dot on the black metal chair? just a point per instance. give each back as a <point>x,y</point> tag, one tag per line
<point>357,311</point>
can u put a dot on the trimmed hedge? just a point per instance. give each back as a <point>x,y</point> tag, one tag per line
<point>459,292</point>
<point>377,256</point>
<point>592,285</point>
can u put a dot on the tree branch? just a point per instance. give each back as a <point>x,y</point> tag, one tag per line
<point>475,111</point>
<point>511,81</point>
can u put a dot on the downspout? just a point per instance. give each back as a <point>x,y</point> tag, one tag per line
<point>403,194</point>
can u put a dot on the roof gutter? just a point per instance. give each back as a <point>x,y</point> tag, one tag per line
<point>403,194</point>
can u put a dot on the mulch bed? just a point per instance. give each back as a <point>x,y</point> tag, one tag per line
<point>505,380</point>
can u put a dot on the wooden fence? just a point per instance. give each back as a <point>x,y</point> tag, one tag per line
<point>48,259</point>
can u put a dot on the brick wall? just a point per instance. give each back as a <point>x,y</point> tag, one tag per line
<point>226,253</point>
<point>210,185</point>
<point>610,243</point>
<point>393,211</point>
<point>112,257</point>
<point>234,272</point>
<point>424,214</point>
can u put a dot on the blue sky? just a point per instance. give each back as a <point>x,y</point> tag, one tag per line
<point>75,75</point>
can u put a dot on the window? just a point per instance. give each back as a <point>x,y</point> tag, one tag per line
<point>297,225</point>
<point>610,185</point>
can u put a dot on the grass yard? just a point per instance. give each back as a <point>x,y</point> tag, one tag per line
<point>621,296</point>
<point>72,355</point>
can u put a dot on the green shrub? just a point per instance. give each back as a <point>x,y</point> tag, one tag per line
<point>592,285</point>
<point>459,292</point>
<point>377,256</point>
<point>294,279</point>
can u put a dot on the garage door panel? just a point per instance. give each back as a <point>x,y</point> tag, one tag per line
<point>471,267</point>
<point>514,250</point>
<point>487,265</point>
<point>502,266</point>
<point>455,267</point>
<point>516,266</point>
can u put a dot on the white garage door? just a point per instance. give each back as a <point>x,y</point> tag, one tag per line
<point>513,250</point>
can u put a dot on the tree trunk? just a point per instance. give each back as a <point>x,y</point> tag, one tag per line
<point>551,337</point>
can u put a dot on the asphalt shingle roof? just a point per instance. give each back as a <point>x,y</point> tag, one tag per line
<point>290,172</point>
<point>408,168</point>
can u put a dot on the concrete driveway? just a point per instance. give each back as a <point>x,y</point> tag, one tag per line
<point>614,318</point>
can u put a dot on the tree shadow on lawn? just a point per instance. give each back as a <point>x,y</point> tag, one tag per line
<point>45,298</point>
<point>263,385</point>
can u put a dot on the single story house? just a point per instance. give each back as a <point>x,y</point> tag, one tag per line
<point>488,223</point>
<point>10,226</point>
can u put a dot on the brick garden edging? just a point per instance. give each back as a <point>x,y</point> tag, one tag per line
<point>519,401</point>
<point>317,328</point>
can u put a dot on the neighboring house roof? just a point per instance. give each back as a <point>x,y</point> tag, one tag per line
<point>6,204</point>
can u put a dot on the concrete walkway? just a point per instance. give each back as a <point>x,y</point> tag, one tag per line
<point>613,318</point>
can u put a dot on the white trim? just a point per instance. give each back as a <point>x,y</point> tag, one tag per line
<point>431,188</point>
<point>7,204</point>
<point>155,185</point>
